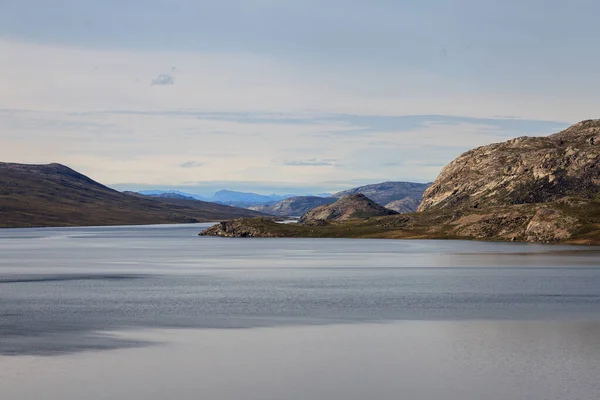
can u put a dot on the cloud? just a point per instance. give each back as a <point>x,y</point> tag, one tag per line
<point>132,147</point>
<point>191,164</point>
<point>163,80</point>
<point>313,162</point>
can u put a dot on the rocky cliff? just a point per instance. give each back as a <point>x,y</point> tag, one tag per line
<point>525,170</point>
<point>353,206</point>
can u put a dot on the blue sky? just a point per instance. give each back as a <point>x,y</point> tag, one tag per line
<point>286,96</point>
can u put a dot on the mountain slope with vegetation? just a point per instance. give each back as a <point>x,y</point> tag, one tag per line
<point>55,195</point>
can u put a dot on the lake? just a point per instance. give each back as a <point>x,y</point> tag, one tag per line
<point>156,312</point>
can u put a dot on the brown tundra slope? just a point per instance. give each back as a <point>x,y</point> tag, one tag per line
<point>532,189</point>
<point>55,195</point>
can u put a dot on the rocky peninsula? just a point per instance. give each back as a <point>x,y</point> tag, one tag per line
<point>529,189</point>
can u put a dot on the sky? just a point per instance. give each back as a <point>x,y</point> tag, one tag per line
<point>286,96</point>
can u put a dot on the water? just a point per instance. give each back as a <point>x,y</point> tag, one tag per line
<point>157,312</point>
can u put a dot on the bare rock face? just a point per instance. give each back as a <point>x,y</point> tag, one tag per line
<point>523,223</point>
<point>406,205</point>
<point>549,225</point>
<point>522,171</point>
<point>353,206</point>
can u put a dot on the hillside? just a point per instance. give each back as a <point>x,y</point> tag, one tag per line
<point>352,206</point>
<point>386,192</point>
<point>55,195</point>
<point>294,206</point>
<point>406,205</point>
<point>211,211</point>
<point>544,189</point>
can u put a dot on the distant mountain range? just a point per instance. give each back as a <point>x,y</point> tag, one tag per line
<point>55,195</point>
<point>398,196</point>
<point>386,192</point>
<point>228,197</point>
<point>174,194</point>
<point>294,206</point>
<point>402,197</point>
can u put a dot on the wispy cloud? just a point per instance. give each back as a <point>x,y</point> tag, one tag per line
<point>133,147</point>
<point>163,80</point>
<point>191,164</point>
<point>312,162</point>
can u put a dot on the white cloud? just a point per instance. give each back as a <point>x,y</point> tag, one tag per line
<point>76,108</point>
<point>48,77</point>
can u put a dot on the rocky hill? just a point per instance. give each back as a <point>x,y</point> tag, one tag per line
<point>294,206</point>
<point>352,206</point>
<point>55,195</point>
<point>525,170</point>
<point>386,192</point>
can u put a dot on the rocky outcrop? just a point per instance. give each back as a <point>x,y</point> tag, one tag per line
<point>243,227</point>
<point>349,207</point>
<point>525,223</point>
<point>548,225</point>
<point>386,192</point>
<point>406,205</point>
<point>525,170</point>
<point>294,206</point>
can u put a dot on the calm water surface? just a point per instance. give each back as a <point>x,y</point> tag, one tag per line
<point>160,313</point>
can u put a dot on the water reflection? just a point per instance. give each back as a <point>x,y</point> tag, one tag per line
<point>453,360</point>
<point>59,287</point>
